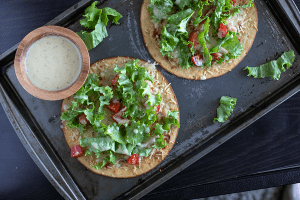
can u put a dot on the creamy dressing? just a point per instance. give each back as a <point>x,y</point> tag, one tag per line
<point>53,63</point>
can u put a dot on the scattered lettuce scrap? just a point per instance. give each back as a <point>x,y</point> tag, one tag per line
<point>274,68</point>
<point>125,139</point>
<point>225,109</point>
<point>96,20</point>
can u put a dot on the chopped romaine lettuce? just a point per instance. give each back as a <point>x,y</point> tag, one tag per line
<point>174,32</point>
<point>96,20</point>
<point>274,68</point>
<point>134,93</point>
<point>216,15</point>
<point>109,159</point>
<point>160,142</point>
<point>171,119</point>
<point>202,35</point>
<point>225,109</point>
<point>174,35</point>
<point>98,145</point>
<point>136,133</point>
<point>159,9</point>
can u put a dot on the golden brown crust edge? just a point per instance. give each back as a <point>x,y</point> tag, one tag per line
<point>194,73</point>
<point>125,170</point>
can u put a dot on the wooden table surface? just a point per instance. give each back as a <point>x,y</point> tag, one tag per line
<point>265,154</point>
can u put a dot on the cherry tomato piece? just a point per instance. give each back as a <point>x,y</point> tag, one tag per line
<point>157,108</point>
<point>77,151</point>
<point>115,80</point>
<point>193,38</point>
<point>216,56</point>
<point>114,105</point>
<point>197,60</point>
<point>233,2</point>
<point>83,120</point>
<point>222,31</point>
<point>133,159</point>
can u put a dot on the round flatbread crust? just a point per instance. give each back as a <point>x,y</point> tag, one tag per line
<point>197,73</point>
<point>123,169</point>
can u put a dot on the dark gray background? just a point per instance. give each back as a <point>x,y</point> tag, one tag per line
<point>271,140</point>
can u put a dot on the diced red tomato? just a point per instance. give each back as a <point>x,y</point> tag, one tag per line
<point>222,31</point>
<point>77,151</point>
<point>157,108</point>
<point>151,129</point>
<point>133,159</point>
<point>233,2</point>
<point>114,105</point>
<point>193,38</point>
<point>197,60</point>
<point>118,117</point>
<point>114,81</point>
<point>83,120</point>
<point>216,56</point>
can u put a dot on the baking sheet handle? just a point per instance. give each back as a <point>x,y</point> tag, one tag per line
<point>58,176</point>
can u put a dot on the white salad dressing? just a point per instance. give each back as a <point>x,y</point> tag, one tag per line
<point>53,63</point>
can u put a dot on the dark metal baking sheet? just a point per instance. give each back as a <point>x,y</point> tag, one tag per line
<point>38,126</point>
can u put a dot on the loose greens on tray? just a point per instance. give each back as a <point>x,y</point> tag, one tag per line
<point>96,20</point>
<point>274,68</point>
<point>225,109</point>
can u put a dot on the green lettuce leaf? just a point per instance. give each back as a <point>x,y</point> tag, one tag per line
<point>134,111</point>
<point>237,8</point>
<point>125,149</point>
<point>115,133</point>
<point>201,37</point>
<point>168,42</point>
<point>109,159</point>
<point>125,89</point>
<point>159,9</point>
<point>184,56</point>
<point>98,145</point>
<point>110,14</point>
<point>177,22</point>
<point>92,15</point>
<point>96,20</point>
<point>174,31</point>
<point>92,39</point>
<point>274,68</point>
<point>149,118</point>
<point>171,119</point>
<point>143,152</point>
<point>86,96</point>
<point>137,133</point>
<point>104,94</point>
<point>198,18</point>
<point>231,44</point>
<point>160,142</point>
<point>183,3</point>
<point>216,15</point>
<point>225,109</point>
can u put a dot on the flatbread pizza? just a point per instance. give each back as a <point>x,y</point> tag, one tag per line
<point>124,120</point>
<point>198,39</point>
